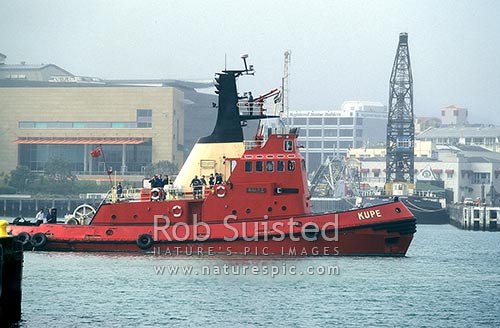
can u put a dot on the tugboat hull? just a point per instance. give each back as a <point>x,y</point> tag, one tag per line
<point>383,230</point>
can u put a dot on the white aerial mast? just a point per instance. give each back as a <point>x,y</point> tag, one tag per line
<point>285,85</point>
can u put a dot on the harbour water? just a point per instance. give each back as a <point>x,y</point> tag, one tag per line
<point>449,278</point>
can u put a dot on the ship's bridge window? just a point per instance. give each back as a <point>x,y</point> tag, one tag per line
<point>280,166</point>
<point>288,145</point>
<point>303,164</point>
<point>269,166</point>
<point>233,165</point>
<point>248,166</point>
<point>259,167</point>
<point>291,165</point>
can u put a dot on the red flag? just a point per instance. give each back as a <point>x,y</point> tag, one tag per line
<point>96,152</point>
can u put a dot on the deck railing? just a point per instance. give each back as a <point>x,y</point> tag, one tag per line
<point>157,194</point>
<point>251,108</point>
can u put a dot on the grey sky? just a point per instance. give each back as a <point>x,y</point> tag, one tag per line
<point>341,50</point>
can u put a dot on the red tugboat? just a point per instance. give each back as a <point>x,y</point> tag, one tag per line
<point>262,207</point>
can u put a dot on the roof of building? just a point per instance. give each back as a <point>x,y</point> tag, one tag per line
<point>422,119</point>
<point>463,148</point>
<point>382,159</point>
<point>82,141</point>
<point>362,103</point>
<point>481,159</point>
<point>188,84</point>
<point>460,131</point>
<point>12,68</point>
<point>85,81</point>
<point>454,107</point>
<point>472,148</point>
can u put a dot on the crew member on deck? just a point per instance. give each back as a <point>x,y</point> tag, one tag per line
<point>40,217</point>
<point>197,187</point>
<point>119,190</point>
<point>152,181</point>
<point>211,181</point>
<point>165,186</point>
<point>250,103</point>
<point>218,178</point>
<point>52,216</point>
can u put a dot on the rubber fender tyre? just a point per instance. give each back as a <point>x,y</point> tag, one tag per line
<point>39,240</point>
<point>23,238</point>
<point>145,241</point>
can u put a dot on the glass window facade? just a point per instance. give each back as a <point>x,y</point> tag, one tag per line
<point>330,132</point>
<point>144,120</point>
<point>314,132</point>
<point>314,144</point>
<point>331,121</point>
<point>329,145</point>
<point>315,121</point>
<point>345,132</point>
<point>481,178</point>
<point>345,120</point>
<point>35,156</point>
<point>299,121</point>
<point>345,144</point>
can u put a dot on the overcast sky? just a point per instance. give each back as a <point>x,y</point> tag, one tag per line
<point>341,50</point>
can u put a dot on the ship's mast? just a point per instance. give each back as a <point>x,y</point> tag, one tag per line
<point>400,125</point>
<point>285,85</point>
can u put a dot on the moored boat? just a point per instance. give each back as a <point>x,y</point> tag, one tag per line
<point>427,210</point>
<point>261,206</point>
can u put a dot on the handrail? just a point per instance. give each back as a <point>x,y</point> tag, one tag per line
<point>252,144</point>
<point>169,192</point>
<point>251,108</point>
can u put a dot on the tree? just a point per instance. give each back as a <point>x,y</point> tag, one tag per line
<point>59,170</point>
<point>21,178</point>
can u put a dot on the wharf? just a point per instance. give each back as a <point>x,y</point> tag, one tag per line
<point>474,217</point>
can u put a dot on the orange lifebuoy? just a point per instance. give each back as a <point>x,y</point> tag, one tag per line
<point>177,211</point>
<point>220,191</point>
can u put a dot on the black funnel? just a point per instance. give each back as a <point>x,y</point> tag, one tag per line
<point>228,125</point>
